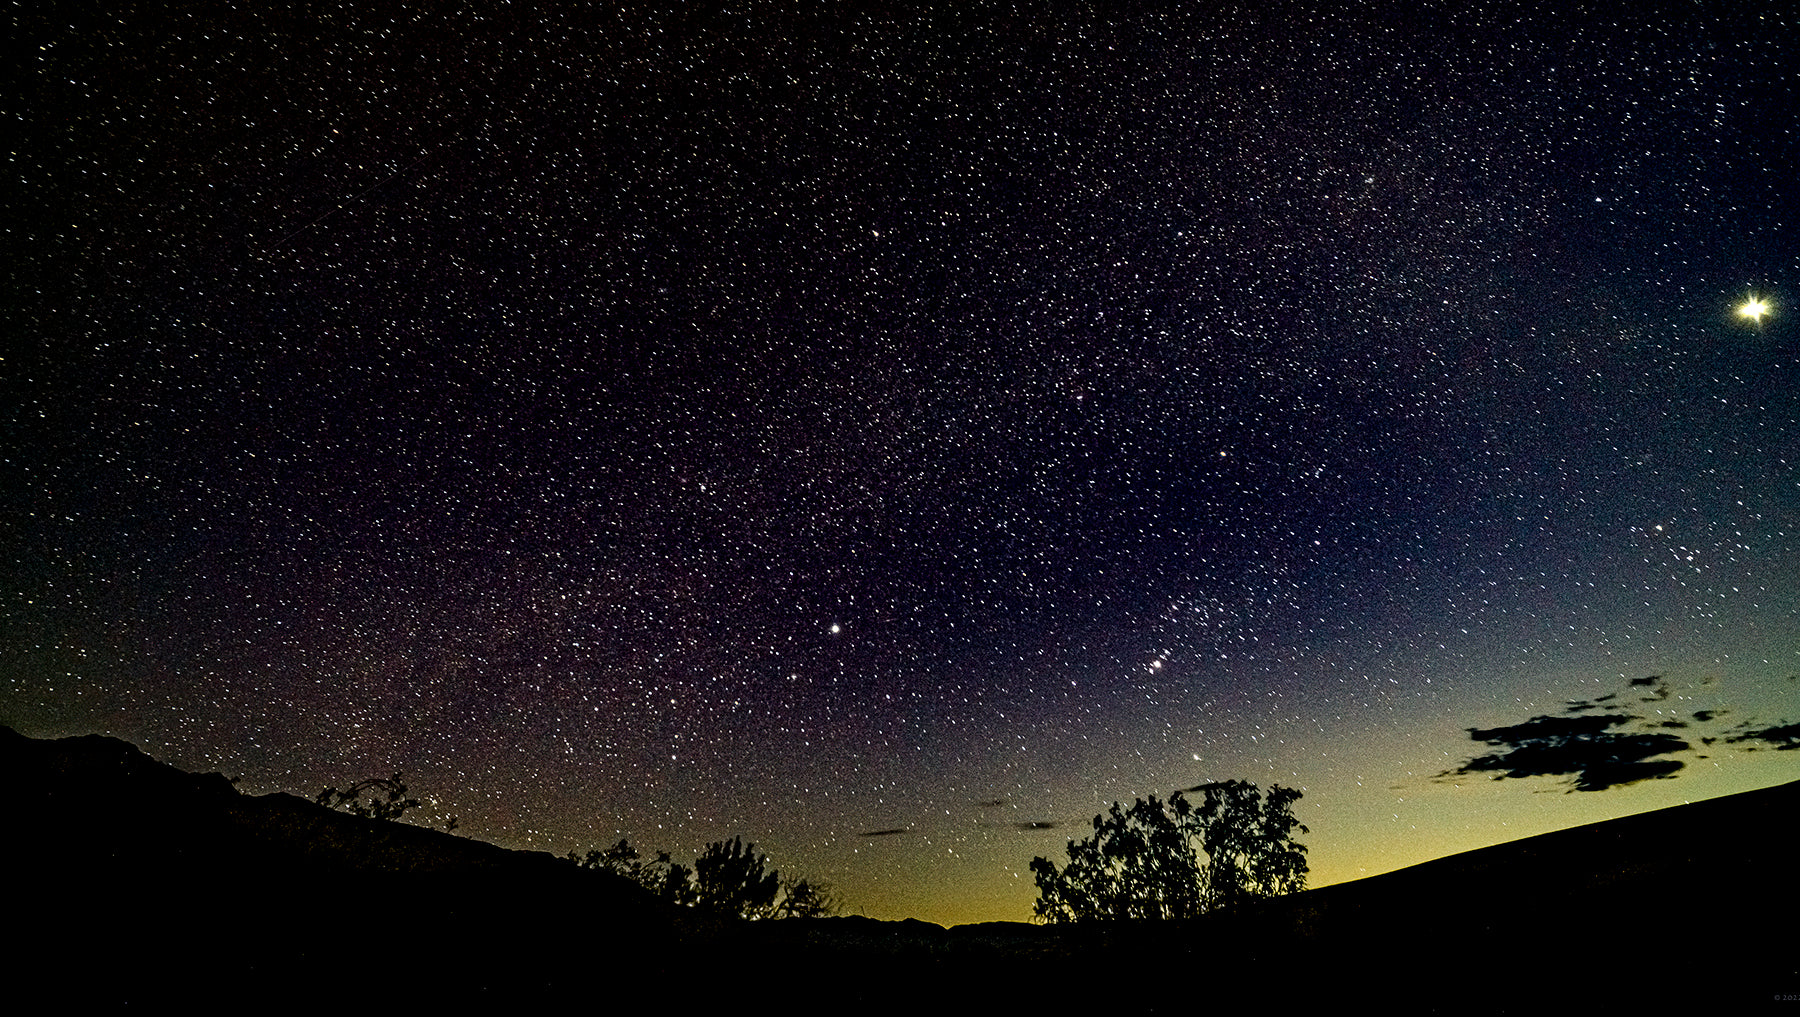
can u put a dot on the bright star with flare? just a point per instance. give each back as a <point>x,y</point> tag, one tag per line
<point>1755,309</point>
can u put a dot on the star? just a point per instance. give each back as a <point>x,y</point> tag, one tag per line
<point>571,411</point>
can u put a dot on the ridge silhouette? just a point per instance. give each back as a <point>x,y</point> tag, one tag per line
<point>134,882</point>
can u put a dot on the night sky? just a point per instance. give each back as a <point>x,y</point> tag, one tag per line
<point>893,435</point>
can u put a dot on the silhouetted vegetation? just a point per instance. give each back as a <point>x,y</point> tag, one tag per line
<point>729,878</point>
<point>1175,859</point>
<point>805,898</point>
<point>661,875</point>
<point>173,858</point>
<point>387,799</point>
<point>733,879</point>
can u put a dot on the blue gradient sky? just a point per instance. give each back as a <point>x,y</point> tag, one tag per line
<point>736,421</point>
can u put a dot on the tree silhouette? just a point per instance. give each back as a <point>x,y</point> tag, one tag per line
<point>387,798</point>
<point>1174,859</point>
<point>1138,864</point>
<point>732,878</point>
<point>805,898</point>
<point>671,880</point>
<point>1249,842</point>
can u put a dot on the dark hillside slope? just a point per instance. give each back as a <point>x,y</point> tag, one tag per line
<point>1689,907</point>
<point>134,882</point>
<point>1695,903</point>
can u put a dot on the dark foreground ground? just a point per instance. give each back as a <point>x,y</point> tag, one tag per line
<point>132,884</point>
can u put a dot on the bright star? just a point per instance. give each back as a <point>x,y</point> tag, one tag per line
<point>1754,308</point>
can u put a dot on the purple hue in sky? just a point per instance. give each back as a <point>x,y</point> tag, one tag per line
<point>735,420</point>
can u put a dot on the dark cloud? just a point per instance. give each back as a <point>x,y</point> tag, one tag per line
<point>1781,736</point>
<point>1578,705</point>
<point>1040,824</point>
<point>1658,689</point>
<point>1585,748</point>
<point>884,833</point>
<point>1595,751</point>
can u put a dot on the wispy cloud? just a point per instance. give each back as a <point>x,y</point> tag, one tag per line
<point>1782,737</point>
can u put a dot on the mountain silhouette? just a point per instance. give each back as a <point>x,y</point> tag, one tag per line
<point>135,883</point>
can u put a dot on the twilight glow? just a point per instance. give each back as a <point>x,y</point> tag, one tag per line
<point>893,436</point>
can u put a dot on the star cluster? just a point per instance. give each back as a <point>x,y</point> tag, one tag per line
<point>685,422</point>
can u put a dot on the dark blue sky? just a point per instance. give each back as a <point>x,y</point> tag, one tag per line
<point>689,423</point>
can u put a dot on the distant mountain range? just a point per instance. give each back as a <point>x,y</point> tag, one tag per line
<point>132,883</point>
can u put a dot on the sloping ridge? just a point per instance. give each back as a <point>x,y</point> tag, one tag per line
<point>1693,904</point>
<point>136,881</point>
<point>1699,859</point>
<point>133,881</point>
<point>100,802</point>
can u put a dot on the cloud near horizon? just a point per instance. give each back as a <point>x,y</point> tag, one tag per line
<point>1782,737</point>
<point>1604,750</point>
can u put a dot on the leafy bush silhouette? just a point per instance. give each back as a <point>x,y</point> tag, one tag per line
<point>661,875</point>
<point>729,878</point>
<point>1174,859</point>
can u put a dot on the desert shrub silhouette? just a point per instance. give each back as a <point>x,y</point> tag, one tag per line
<point>1176,859</point>
<point>805,898</point>
<point>388,798</point>
<point>729,878</point>
<point>661,875</point>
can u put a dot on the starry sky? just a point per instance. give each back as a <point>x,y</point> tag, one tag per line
<point>892,434</point>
